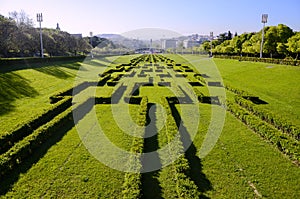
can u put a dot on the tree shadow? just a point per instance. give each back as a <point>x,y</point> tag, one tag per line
<point>71,64</point>
<point>150,185</point>
<point>8,180</point>
<point>12,87</point>
<point>195,173</point>
<point>54,71</point>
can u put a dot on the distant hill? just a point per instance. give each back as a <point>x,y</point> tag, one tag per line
<point>111,36</point>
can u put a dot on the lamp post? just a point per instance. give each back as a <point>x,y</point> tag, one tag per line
<point>211,38</point>
<point>91,34</point>
<point>39,18</point>
<point>264,20</point>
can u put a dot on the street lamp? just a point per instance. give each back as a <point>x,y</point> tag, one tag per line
<point>211,38</point>
<point>264,20</point>
<point>91,34</point>
<point>39,18</point>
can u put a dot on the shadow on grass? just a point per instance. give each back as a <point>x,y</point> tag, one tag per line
<point>196,173</point>
<point>150,185</point>
<point>12,87</point>
<point>55,71</point>
<point>8,180</point>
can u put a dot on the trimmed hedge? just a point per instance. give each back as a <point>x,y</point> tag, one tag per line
<point>71,91</point>
<point>199,94</point>
<point>237,91</point>
<point>283,142</point>
<point>9,138</point>
<point>265,60</point>
<point>271,118</point>
<point>31,60</point>
<point>21,150</point>
<point>200,78</point>
<point>185,187</point>
<point>132,182</point>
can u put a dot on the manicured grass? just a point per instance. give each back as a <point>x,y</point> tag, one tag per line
<point>241,165</point>
<point>278,85</point>
<point>26,92</point>
<point>241,157</point>
<point>69,170</point>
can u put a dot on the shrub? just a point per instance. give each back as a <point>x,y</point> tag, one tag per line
<point>21,150</point>
<point>265,60</point>
<point>284,143</point>
<point>24,129</point>
<point>132,182</point>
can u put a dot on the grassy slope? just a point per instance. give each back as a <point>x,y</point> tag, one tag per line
<point>26,92</point>
<point>276,84</point>
<point>240,157</point>
<point>69,170</point>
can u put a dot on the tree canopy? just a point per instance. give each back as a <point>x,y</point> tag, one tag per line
<point>19,38</point>
<point>279,41</point>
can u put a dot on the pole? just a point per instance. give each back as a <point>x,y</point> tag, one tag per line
<point>40,19</point>
<point>211,38</point>
<point>41,38</point>
<point>91,34</point>
<point>262,41</point>
<point>264,21</point>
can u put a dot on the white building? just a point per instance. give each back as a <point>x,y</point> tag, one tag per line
<point>190,43</point>
<point>168,43</point>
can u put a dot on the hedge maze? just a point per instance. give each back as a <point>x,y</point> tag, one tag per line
<point>127,84</point>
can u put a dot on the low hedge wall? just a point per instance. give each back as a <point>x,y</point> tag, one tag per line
<point>271,118</point>
<point>8,139</point>
<point>132,181</point>
<point>179,169</point>
<point>21,150</point>
<point>283,142</point>
<point>31,60</point>
<point>265,60</point>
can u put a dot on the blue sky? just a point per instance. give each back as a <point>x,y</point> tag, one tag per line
<point>184,17</point>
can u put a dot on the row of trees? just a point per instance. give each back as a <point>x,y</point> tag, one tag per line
<point>19,38</point>
<point>279,41</point>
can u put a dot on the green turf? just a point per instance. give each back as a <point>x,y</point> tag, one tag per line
<point>241,165</point>
<point>278,85</point>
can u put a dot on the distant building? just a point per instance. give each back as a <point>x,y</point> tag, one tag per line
<point>57,27</point>
<point>168,43</point>
<point>190,43</point>
<point>79,36</point>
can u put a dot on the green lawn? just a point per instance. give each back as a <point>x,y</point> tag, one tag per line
<point>26,92</point>
<point>241,164</point>
<point>278,85</point>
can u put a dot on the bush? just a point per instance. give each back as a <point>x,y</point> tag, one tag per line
<point>31,60</point>
<point>185,187</point>
<point>284,143</point>
<point>271,118</point>
<point>132,182</point>
<point>265,60</point>
<point>24,129</point>
<point>21,150</point>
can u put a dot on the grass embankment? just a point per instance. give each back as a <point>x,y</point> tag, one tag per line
<point>241,164</point>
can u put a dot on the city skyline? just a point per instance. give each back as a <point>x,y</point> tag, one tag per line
<point>183,17</point>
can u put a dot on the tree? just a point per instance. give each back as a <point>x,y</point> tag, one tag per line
<point>21,18</point>
<point>293,44</point>
<point>284,33</point>
<point>7,28</point>
<point>282,49</point>
<point>271,38</point>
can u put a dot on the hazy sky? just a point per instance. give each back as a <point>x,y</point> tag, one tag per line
<point>184,17</point>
